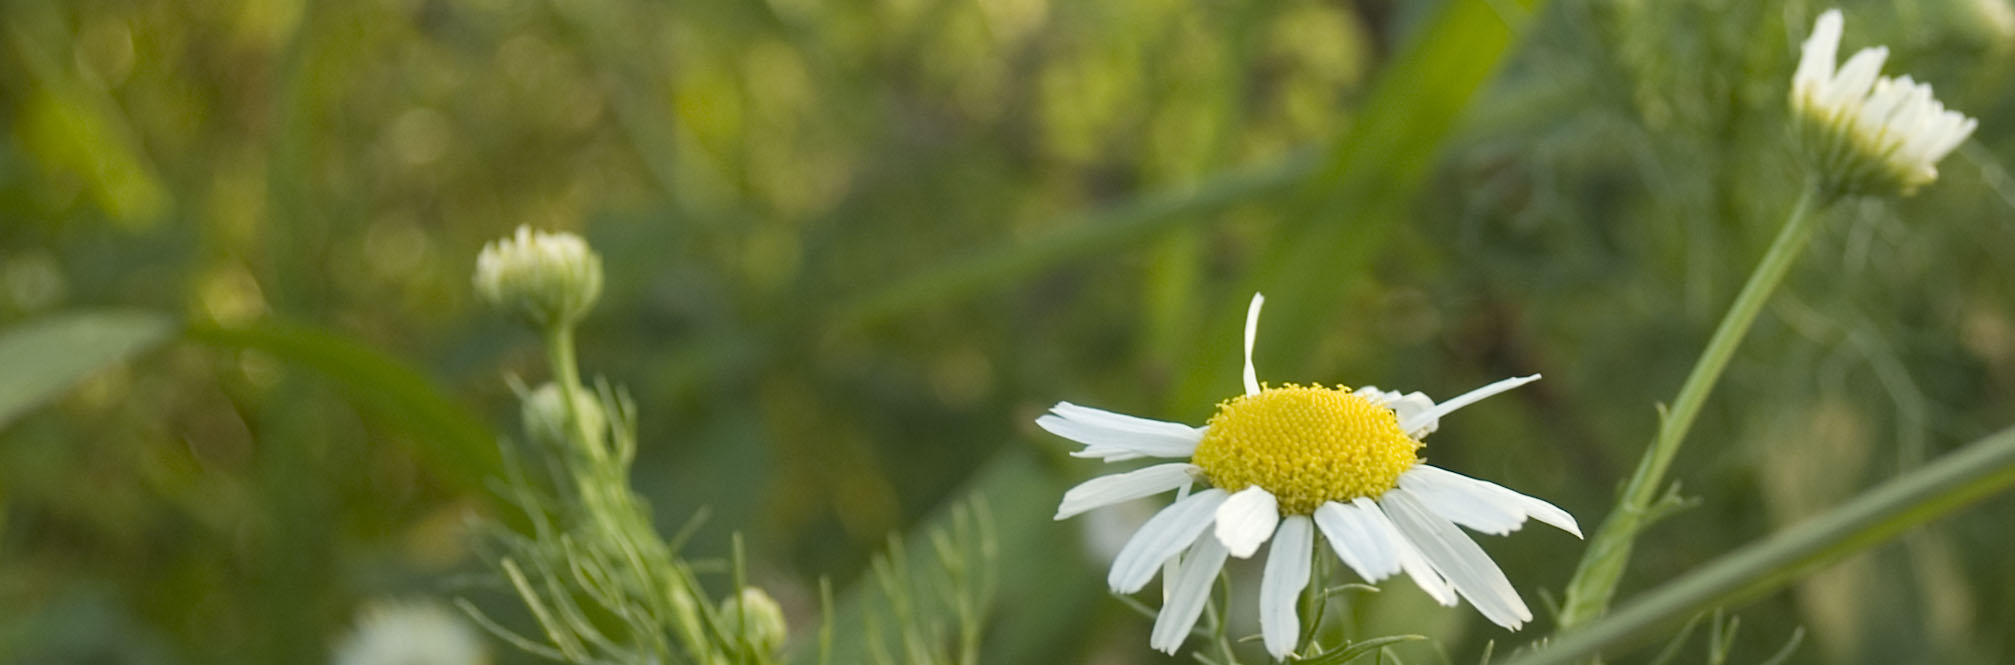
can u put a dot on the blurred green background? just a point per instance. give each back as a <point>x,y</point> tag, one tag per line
<point>854,247</point>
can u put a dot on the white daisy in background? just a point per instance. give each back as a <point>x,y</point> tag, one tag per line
<point>410,633</point>
<point>1867,132</point>
<point>1283,463</point>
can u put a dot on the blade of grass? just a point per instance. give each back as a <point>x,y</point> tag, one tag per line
<point>1365,187</point>
<point>44,358</point>
<point>447,437</point>
<point>1955,481</point>
<point>1101,230</point>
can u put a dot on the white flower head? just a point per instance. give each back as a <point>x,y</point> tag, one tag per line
<point>1868,133</point>
<point>548,278</point>
<point>1283,464</point>
<point>410,633</point>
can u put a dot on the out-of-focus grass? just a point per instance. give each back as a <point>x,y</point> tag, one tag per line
<point>786,193</point>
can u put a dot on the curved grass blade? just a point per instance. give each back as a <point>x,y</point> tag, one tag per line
<point>450,440</point>
<point>44,358</point>
<point>1938,489</point>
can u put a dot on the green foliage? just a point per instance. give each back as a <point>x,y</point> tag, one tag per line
<point>853,247</point>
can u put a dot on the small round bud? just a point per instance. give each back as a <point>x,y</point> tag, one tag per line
<point>755,617</point>
<point>545,415</point>
<point>548,278</point>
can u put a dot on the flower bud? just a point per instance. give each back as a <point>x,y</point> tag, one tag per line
<point>550,279</point>
<point>545,416</point>
<point>755,617</point>
<point>1862,132</point>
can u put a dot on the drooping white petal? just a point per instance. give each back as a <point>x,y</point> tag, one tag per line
<point>1108,490</point>
<point>1162,537</point>
<point>1454,555</point>
<point>1407,407</point>
<point>1251,334</point>
<point>1429,417</point>
<point>1815,63</point>
<point>1113,436</point>
<point>1480,511</point>
<point>1187,594</point>
<point>1438,487</point>
<point>1246,520</point>
<point>1287,567</point>
<point>1359,545</point>
<point>1410,557</point>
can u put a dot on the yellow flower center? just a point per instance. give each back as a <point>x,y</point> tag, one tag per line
<point>1306,446</point>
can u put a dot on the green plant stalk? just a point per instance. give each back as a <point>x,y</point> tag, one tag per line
<point>1981,469</point>
<point>1602,565</point>
<point>605,493</point>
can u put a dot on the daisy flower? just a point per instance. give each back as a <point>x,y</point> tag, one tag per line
<point>410,633</point>
<point>1864,131</point>
<point>1284,463</point>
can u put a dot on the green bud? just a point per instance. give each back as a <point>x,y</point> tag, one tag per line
<point>545,415</point>
<point>755,617</point>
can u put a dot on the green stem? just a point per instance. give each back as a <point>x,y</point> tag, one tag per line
<point>1980,470</point>
<point>567,373</point>
<point>1595,579</point>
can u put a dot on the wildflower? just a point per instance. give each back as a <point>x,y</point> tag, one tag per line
<point>1283,463</point>
<point>550,279</point>
<point>410,633</point>
<point>1868,133</point>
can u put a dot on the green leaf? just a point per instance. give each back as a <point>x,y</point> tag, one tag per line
<point>450,440</point>
<point>46,357</point>
<point>1358,649</point>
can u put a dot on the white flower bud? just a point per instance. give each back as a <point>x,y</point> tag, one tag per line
<point>756,617</point>
<point>550,279</point>
<point>545,415</point>
<point>416,632</point>
<point>1867,133</point>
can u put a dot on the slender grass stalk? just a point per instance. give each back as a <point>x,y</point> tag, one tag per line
<point>1602,565</point>
<point>1979,470</point>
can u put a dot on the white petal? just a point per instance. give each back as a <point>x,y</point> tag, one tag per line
<point>1815,64</point>
<point>1108,490</point>
<point>1453,554</point>
<point>1113,437</point>
<point>1287,565</point>
<point>1431,416</point>
<point>1246,520</point>
<point>1356,543</point>
<point>1855,78</point>
<point>1444,482</point>
<point>1186,598</point>
<point>1252,333</point>
<point>1410,557</point>
<point>1162,537</point>
<point>1406,407</point>
<point>1462,504</point>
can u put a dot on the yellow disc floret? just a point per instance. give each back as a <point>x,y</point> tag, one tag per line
<point>1306,446</point>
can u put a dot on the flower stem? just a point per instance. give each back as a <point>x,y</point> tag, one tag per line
<point>567,373</point>
<point>1595,579</point>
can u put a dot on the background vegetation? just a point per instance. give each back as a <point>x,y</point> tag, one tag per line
<point>855,246</point>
